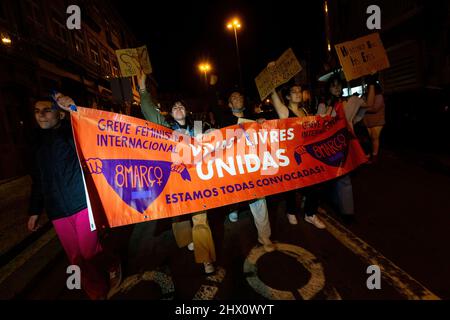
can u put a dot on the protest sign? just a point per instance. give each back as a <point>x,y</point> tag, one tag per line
<point>132,60</point>
<point>286,67</point>
<point>363,56</point>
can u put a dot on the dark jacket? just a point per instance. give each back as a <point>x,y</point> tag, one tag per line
<point>57,181</point>
<point>150,113</point>
<point>229,119</point>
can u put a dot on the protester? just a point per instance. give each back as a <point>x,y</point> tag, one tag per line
<point>258,207</point>
<point>293,94</point>
<point>199,237</point>
<point>375,120</point>
<point>58,189</point>
<point>334,104</point>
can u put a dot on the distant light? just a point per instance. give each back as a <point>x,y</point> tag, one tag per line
<point>268,100</point>
<point>234,24</point>
<point>204,67</point>
<point>326,7</point>
<point>329,47</point>
<point>6,40</point>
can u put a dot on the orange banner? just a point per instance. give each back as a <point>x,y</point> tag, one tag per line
<point>137,171</point>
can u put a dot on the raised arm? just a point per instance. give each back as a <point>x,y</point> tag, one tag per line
<point>281,109</point>
<point>148,107</point>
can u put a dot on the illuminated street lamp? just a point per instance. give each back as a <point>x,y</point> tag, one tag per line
<point>6,40</point>
<point>235,25</point>
<point>205,68</point>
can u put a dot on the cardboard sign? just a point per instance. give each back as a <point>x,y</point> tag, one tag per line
<point>132,60</point>
<point>286,67</point>
<point>363,56</point>
<point>138,171</point>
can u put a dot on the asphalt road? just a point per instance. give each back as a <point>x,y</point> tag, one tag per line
<point>403,214</point>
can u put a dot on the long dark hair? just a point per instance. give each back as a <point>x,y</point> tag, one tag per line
<point>188,119</point>
<point>329,98</point>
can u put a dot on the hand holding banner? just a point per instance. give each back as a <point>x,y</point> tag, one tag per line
<point>362,56</point>
<point>286,67</point>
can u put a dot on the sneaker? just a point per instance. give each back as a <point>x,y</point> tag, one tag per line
<point>233,216</point>
<point>209,267</point>
<point>115,277</point>
<point>292,219</point>
<point>190,246</point>
<point>268,245</point>
<point>314,220</point>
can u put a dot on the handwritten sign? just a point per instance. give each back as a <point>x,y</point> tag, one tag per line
<point>132,60</point>
<point>362,56</point>
<point>286,67</point>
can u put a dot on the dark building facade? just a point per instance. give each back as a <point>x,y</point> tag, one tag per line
<point>416,36</point>
<point>39,53</point>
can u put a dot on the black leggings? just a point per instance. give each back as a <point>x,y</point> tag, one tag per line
<point>311,195</point>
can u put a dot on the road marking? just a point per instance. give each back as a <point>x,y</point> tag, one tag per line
<point>396,277</point>
<point>21,259</point>
<point>162,279</point>
<point>208,292</point>
<point>315,284</point>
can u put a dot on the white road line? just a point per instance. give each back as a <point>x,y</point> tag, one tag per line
<point>161,278</point>
<point>396,277</point>
<point>208,292</point>
<point>315,284</point>
<point>21,259</point>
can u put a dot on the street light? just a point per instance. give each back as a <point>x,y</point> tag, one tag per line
<point>6,40</point>
<point>236,25</point>
<point>205,68</point>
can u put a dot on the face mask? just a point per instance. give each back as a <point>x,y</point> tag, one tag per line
<point>238,110</point>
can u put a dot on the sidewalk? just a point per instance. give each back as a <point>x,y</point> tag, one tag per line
<point>14,200</point>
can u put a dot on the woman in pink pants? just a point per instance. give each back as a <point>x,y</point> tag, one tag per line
<point>58,189</point>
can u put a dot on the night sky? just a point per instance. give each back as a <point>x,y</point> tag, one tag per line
<point>179,34</point>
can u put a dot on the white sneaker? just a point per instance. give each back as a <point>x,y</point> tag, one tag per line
<point>233,216</point>
<point>268,245</point>
<point>190,246</point>
<point>292,219</point>
<point>314,220</point>
<point>209,267</point>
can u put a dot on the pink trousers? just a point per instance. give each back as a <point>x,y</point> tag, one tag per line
<point>83,248</point>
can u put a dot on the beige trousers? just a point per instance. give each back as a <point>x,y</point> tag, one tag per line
<point>200,234</point>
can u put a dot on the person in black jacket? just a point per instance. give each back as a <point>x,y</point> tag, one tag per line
<point>58,189</point>
<point>258,207</point>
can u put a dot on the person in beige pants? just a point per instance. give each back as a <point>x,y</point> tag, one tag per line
<point>198,237</point>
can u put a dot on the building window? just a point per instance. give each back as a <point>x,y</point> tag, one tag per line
<point>106,63</point>
<point>79,43</point>
<point>34,11</point>
<point>115,68</point>
<point>97,11</point>
<point>59,30</point>
<point>95,56</point>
